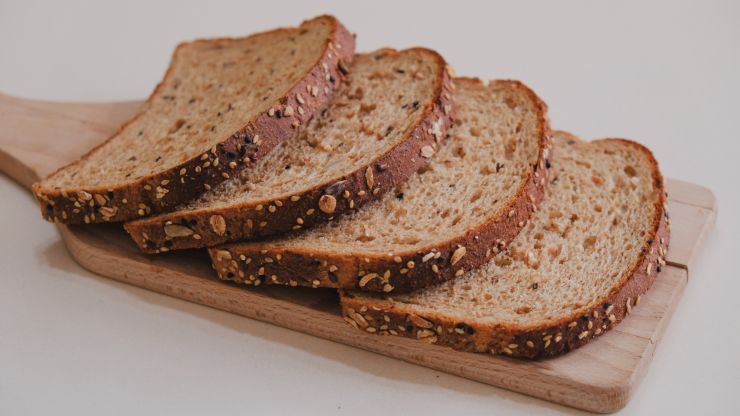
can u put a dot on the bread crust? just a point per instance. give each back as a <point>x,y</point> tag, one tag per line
<point>399,271</point>
<point>289,212</point>
<point>536,341</point>
<point>187,180</point>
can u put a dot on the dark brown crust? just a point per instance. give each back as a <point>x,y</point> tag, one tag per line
<point>544,340</point>
<point>346,271</point>
<point>273,216</point>
<point>145,196</point>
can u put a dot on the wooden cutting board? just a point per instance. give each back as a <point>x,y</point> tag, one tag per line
<point>37,137</point>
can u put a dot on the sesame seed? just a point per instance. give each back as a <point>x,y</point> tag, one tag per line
<point>458,254</point>
<point>612,318</point>
<point>427,151</point>
<point>410,264</point>
<point>583,335</point>
<point>367,278</point>
<point>218,224</point>
<point>369,177</point>
<point>530,344</point>
<point>295,198</point>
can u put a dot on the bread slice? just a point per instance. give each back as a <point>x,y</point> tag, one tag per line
<point>223,104</point>
<point>578,268</point>
<point>383,124</point>
<point>475,196</point>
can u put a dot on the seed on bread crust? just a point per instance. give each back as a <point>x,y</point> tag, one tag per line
<point>458,255</point>
<point>218,224</point>
<point>327,204</point>
<point>176,230</point>
<point>367,278</point>
<point>369,179</point>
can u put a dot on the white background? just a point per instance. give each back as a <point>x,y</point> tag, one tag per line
<point>664,73</point>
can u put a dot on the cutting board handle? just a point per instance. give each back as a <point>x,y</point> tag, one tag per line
<point>38,137</point>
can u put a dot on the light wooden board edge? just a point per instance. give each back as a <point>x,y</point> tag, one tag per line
<point>538,378</point>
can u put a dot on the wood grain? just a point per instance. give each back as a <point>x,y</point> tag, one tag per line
<point>38,137</point>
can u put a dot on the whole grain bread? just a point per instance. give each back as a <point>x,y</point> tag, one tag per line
<point>383,124</point>
<point>578,268</point>
<point>223,104</point>
<point>467,204</point>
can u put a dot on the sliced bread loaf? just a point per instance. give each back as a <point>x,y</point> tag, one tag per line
<point>383,124</point>
<point>223,104</point>
<point>577,269</point>
<point>474,197</point>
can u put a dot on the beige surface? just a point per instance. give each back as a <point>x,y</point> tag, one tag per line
<point>599,377</point>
